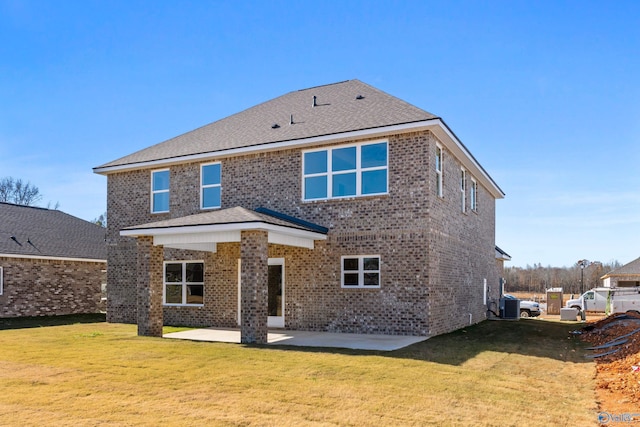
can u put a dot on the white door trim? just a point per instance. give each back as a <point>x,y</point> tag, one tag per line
<point>272,321</point>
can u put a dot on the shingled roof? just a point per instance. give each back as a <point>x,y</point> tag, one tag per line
<point>318,111</point>
<point>332,113</point>
<point>28,231</point>
<point>630,269</point>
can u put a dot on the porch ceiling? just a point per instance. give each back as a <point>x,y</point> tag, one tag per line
<point>202,232</point>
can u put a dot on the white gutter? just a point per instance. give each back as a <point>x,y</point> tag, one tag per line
<point>52,258</point>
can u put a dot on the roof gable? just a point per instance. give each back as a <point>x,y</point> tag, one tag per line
<point>28,231</point>
<point>318,111</point>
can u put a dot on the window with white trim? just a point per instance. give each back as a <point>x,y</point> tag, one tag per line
<point>463,189</point>
<point>362,271</point>
<point>160,191</point>
<point>1,281</point>
<point>210,185</point>
<point>183,283</point>
<point>473,195</point>
<point>439,180</point>
<point>345,171</point>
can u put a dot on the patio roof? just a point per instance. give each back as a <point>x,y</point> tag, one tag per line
<point>202,232</point>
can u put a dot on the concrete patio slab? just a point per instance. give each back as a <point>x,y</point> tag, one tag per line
<point>305,339</point>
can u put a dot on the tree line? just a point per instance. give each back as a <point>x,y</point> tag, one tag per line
<point>537,279</point>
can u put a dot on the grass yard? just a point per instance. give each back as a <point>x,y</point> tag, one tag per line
<point>496,373</point>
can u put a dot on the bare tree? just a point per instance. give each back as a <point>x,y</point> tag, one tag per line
<point>19,192</point>
<point>101,220</point>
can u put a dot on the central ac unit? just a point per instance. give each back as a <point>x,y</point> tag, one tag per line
<point>509,308</point>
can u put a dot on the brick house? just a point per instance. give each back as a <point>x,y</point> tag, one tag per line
<point>336,208</point>
<point>51,263</point>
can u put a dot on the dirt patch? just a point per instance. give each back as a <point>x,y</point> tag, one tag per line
<point>615,346</point>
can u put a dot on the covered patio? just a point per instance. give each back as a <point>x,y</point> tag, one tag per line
<point>254,230</point>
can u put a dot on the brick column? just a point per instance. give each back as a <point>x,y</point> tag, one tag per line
<point>149,287</point>
<point>253,286</point>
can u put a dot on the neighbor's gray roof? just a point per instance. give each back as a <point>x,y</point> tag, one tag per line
<point>49,233</point>
<point>236,215</point>
<point>340,107</point>
<point>633,268</point>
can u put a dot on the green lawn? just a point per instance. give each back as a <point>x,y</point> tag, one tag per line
<point>496,373</point>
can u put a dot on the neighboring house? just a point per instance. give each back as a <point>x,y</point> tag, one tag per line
<point>626,276</point>
<point>335,208</point>
<point>51,263</point>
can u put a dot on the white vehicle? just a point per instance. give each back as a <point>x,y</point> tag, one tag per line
<point>593,300</point>
<point>624,300</point>
<point>607,300</point>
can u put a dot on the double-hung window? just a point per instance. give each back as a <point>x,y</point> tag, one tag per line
<point>463,189</point>
<point>345,171</point>
<point>210,186</point>
<point>361,271</point>
<point>160,191</point>
<point>184,283</point>
<point>473,195</point>
<point>439,181</point>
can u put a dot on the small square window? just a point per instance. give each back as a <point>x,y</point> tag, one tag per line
<point>184,283</point>
<point>361,271</point>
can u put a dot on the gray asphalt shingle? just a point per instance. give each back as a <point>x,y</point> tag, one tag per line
<point>51,233</point>
<point>340,107</point>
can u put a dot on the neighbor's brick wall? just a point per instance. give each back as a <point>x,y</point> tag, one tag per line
<point>433,256</point>
<point>50,287</point>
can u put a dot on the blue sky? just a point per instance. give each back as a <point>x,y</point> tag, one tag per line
<point>546,95</point>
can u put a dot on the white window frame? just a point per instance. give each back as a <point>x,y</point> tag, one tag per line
<point>439,168</point>
<point>474,195</point>
<point>154,192</point>
<point>359,170</point>
<point>183,283</point>
<point>203,186</point>
<point>361,271</point>
<point>1,280</point>
<point>463,189</point>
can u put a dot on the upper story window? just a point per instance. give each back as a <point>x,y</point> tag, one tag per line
<point>361,271</point>
<point>184,283</point>
<point>473,195</point>
<point>463,189</point>
<point>439,180</point>
<point>210,186</point>
<point>160,191</point>
<point>345,171</point>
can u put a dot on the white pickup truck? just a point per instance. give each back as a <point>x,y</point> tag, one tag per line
<point>607,300</point>
<point>593,300</point>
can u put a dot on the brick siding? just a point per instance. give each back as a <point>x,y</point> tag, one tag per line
<point>434,258</point>
<point>47,287</point>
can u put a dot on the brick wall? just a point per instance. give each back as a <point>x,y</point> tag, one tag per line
<point>434,258</point>
<point>50,287</point>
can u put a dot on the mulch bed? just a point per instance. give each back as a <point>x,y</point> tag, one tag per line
<point>618,373</point>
